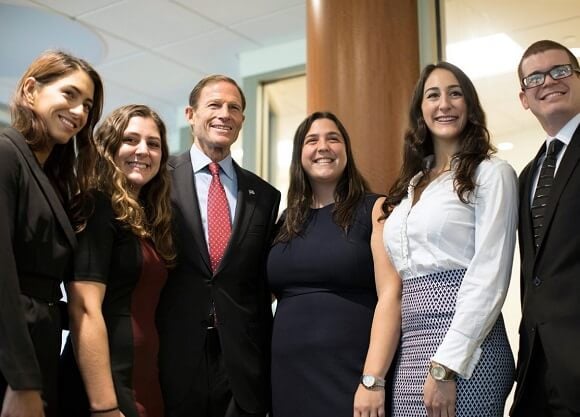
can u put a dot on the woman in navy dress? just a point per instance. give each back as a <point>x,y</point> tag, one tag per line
<point>450,233</point>
<point>125,245</point>
<point>338,313</point>
<point>55,107</point>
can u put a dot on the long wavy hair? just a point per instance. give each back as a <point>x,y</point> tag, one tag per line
<point>349,192</point>
<point>474,144</point>
<point>150,215</point>
<point>65,160</point>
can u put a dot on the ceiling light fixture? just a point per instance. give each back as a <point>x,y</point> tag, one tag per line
<point>485,56</point>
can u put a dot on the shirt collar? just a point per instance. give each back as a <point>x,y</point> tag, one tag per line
<point>565,134</point>
<point>200,161</point>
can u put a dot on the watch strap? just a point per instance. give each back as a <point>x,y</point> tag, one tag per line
<point>372,382</point>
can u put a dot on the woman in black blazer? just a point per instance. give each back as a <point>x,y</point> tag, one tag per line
<point>58,97</point>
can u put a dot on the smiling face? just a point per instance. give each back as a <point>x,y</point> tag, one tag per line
<point>140,153</point>
<point>443,106</point>
<point>217,119</point>
<point>63,104</point>
<point>556,101</point>
<point>324,153</point>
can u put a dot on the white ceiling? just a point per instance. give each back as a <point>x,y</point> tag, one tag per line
<point>154,51</point>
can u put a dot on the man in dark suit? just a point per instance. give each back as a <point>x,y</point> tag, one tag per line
<point>548,380</point>
<point>214,315</point>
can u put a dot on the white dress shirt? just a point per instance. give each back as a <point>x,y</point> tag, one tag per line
<point>200,163</point>
<point>565,136</point>
<point>440,233</point>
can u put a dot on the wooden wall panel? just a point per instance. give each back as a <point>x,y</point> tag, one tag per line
<point>362,64</point>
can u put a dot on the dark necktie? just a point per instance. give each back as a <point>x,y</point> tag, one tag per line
<point>219,226</point>
<point>542,194</point>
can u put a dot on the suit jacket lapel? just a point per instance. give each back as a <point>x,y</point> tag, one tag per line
<point>565,170</point>
<point>186,194</point>
<point>44,184</point>
<point>245,205</point>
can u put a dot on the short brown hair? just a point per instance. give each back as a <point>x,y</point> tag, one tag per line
<point>543,46</point>
<point>212,79</point>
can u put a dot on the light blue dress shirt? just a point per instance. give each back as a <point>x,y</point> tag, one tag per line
<point>200,162</point>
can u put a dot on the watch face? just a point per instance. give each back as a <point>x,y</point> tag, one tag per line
<point>437,372</point>
<point>368,381</point>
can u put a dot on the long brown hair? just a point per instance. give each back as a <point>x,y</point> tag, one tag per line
<point>349,192</point>
<point>148,217</point>
<point>474,143</point>
<point>76,155</point>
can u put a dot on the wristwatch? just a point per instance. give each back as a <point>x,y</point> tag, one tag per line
<point>441,373</point>
<point>373,383</point>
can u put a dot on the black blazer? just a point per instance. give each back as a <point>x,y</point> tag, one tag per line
<point>239,290</point>
<point>36,244</point>
<point>550,278</point>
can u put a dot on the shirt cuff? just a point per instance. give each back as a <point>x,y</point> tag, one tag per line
<point>458,353</point>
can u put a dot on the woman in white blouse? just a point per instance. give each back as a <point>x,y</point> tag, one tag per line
<point>450,233</point>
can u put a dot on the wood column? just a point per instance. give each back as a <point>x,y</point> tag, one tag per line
<point>362,65</point>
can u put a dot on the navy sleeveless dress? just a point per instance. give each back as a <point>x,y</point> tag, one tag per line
<point>325,287</point>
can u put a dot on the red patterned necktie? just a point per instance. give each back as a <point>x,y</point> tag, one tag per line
<point>219,226</point>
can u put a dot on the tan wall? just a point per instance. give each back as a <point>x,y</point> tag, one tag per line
<point>362,64</point>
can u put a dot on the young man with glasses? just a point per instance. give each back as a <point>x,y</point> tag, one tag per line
<point>548,377</point>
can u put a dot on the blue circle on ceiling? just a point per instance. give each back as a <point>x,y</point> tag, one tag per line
<point>26,32</point>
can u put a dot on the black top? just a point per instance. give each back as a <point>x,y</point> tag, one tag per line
<point>111,254</point>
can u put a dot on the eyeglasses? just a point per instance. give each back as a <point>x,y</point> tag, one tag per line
<point>557,73</point>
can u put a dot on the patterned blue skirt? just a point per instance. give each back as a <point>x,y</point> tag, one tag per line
<point>428,305</point>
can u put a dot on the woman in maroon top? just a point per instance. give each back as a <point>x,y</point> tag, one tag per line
<point>125,246</point>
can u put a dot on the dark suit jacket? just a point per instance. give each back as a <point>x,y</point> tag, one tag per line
<point>550,278</point>
<point>36,244</point>
<point>239,290</point>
